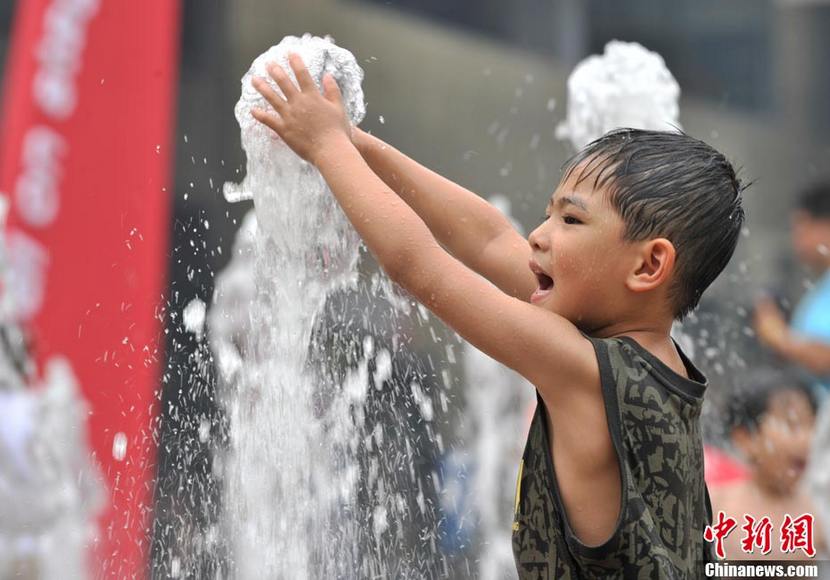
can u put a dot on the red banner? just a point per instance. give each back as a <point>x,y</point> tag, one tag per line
<point>85,159</point>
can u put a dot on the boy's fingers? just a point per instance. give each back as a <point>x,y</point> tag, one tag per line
<point>331,90</point>
<point>301,72</point>
<point>283,81</point>
<point>264,89</point>
<point>267,119</point>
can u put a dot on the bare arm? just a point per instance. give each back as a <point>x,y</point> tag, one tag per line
<point>526,338</point>
<point>469,227</point>
<point>812,355</point>
<point>773,331</point>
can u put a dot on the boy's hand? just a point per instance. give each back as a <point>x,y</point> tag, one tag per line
<point>308,121</point>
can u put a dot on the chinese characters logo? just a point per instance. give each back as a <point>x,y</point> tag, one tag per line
<point>794,534</point>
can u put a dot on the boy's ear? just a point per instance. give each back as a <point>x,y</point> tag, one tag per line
<point>655,264</point>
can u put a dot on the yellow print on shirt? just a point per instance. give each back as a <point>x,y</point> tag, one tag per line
<point>518,495</point>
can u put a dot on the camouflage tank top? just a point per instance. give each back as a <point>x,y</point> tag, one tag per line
<point>653,417</point>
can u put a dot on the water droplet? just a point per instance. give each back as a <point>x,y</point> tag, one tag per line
<point>534,141</point>
<point>119,446</point>
<point>193,316</point>
<point>204,430</point>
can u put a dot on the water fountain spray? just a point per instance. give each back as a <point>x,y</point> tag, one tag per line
<point>281,479</point>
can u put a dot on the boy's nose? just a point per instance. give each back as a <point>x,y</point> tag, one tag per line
<point>537,240</point>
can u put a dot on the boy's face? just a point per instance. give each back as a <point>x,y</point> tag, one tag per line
<point>811,240</point>
<point>779,447</point>
<point>579,255</point>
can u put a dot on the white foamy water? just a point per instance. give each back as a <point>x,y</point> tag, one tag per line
<point>326,451</point>
<point>626,86</point>
<point>283,478</point>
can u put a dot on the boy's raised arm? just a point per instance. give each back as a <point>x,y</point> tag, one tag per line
<point>528,339</point>
<point>469,227</point>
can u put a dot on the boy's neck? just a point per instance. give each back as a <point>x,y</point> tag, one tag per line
<point>645,333</point>
<point>655,338</point>
<point>648,321</point>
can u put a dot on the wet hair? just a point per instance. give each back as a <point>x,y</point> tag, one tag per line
<point>751,396</point>
<point>667,184</point>
<point>815,200</point>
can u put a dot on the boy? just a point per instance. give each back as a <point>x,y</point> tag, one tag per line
<point>771,422</point>
<point>611,483</point>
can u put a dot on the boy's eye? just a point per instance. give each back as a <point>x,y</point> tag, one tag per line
<point>569,219</point>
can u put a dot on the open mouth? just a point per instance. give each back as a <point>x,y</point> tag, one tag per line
<point>545,282</point>
<point>794,468</point>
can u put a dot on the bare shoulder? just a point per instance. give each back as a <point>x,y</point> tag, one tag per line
<point>576,381</point>
<point>563,365</point>
<point>574,400</point>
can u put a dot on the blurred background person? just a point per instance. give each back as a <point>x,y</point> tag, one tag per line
<point>771,423</point>
<point>806,340</point>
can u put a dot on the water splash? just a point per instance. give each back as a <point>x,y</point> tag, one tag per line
<point>627,86</point>
<point>281,466</point>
